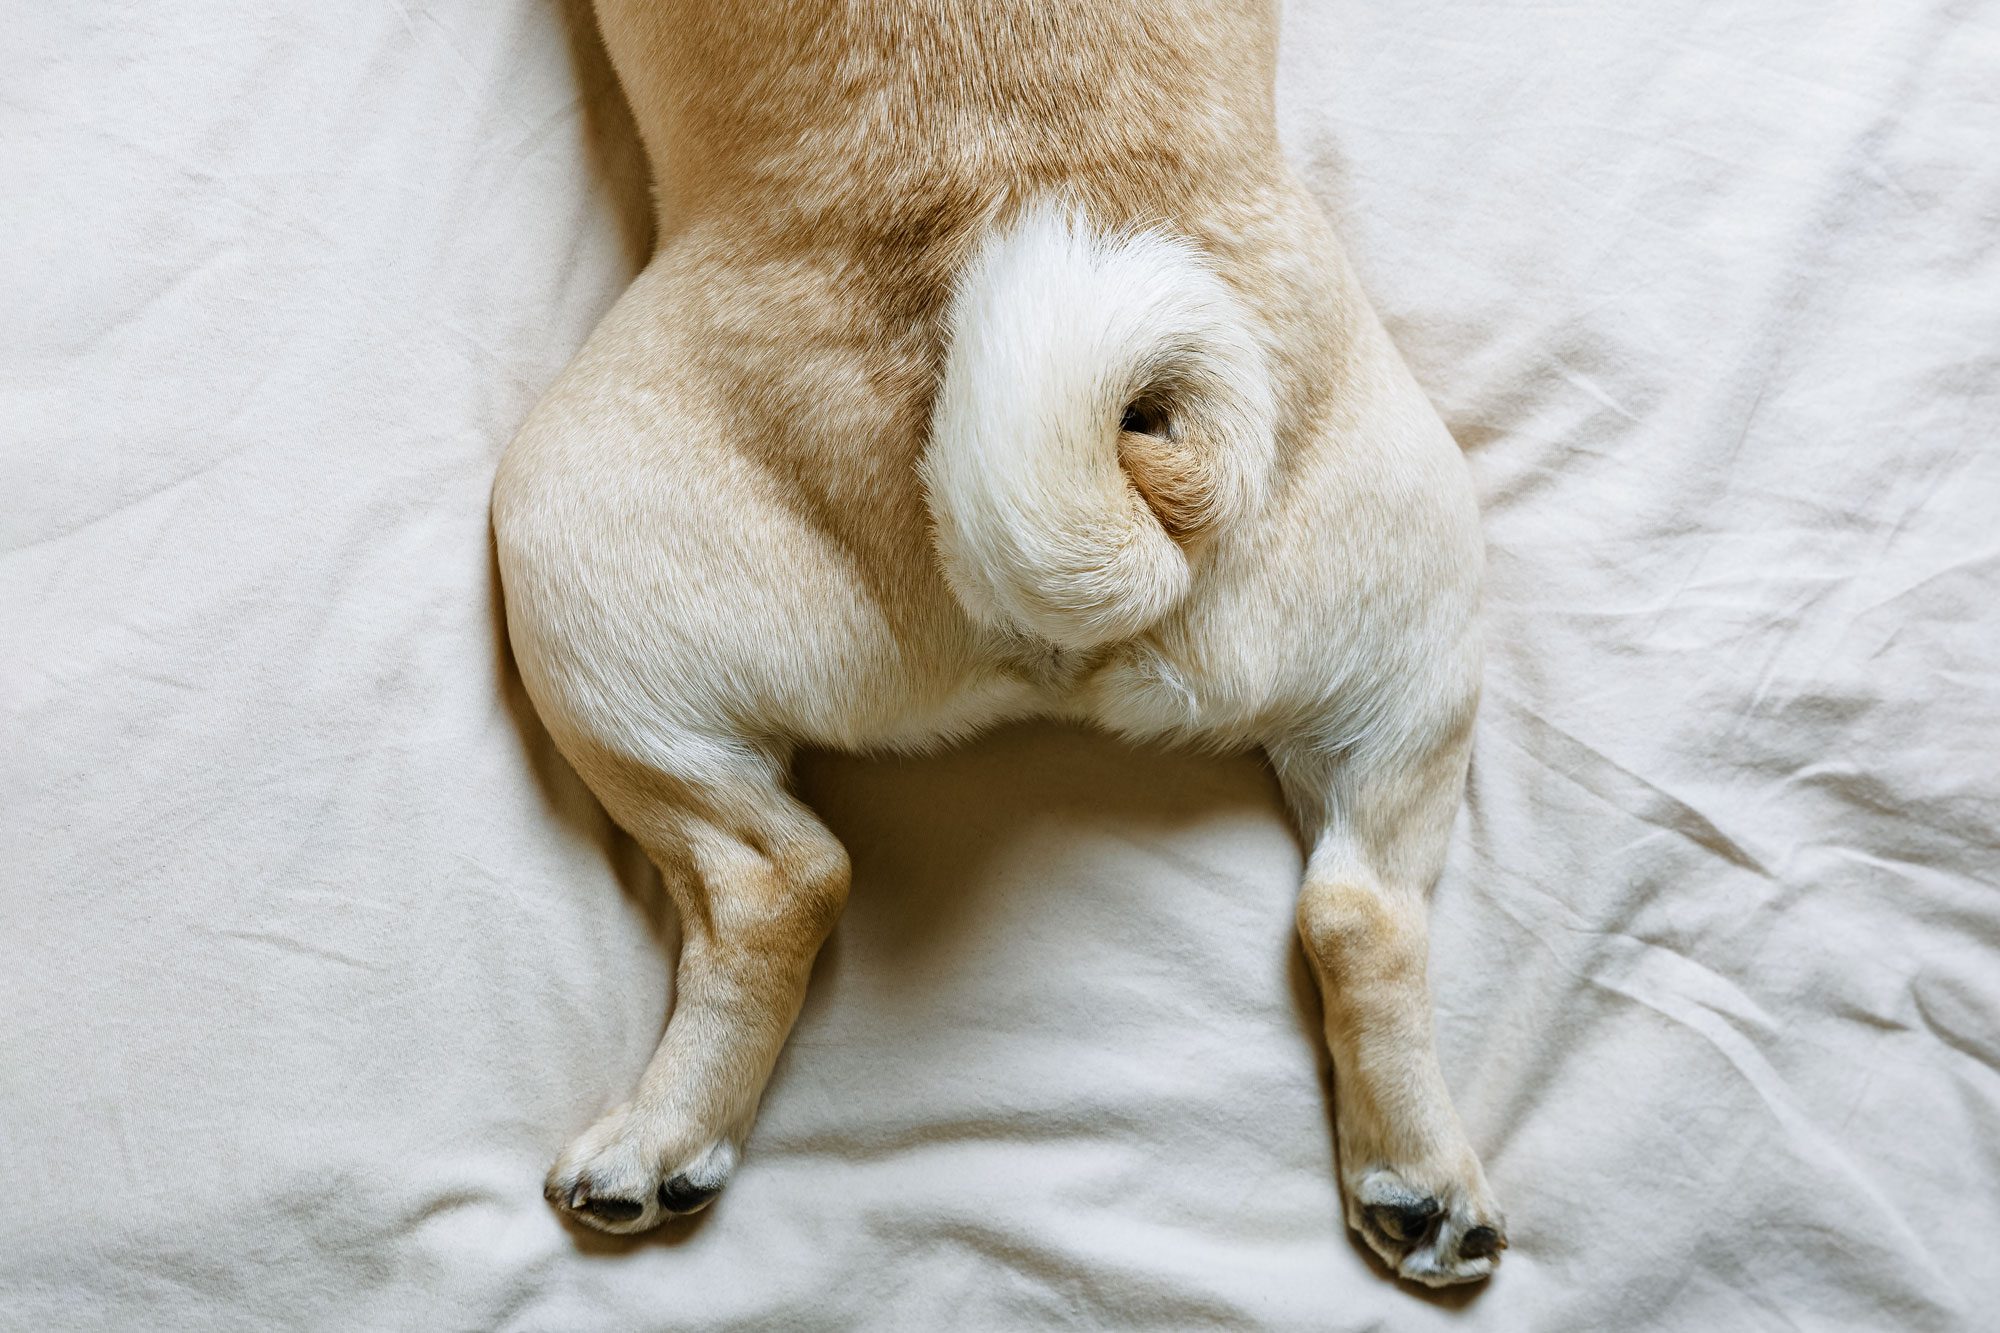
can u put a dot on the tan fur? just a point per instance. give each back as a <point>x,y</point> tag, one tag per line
<point>1170,476</point>
<point>715,543</point>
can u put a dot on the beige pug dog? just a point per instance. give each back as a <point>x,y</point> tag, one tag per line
<point>992,364</point>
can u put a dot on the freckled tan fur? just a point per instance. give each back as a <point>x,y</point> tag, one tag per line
<point>716,541</point>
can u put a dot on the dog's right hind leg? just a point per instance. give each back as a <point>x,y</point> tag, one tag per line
<point>1416,1190</point>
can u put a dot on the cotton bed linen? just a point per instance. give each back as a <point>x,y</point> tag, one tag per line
<point>315,953</point>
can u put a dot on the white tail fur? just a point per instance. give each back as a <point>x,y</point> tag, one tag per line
<point>1051,517</point>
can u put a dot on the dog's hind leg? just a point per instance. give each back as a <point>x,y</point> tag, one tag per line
<point>759,882</point>
<point>1377,824</point>
<point>689,591</point>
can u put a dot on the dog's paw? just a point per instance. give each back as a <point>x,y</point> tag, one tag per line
<point>617,1178</point>
<point>1439,1232</point>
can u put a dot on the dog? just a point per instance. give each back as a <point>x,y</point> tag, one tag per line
<point>991,363</point>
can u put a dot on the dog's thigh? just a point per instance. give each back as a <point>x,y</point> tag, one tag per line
<point>678,555</point>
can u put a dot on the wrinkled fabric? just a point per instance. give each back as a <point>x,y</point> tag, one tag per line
<point>315,953</point>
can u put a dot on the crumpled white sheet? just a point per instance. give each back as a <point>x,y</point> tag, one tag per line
<point>314,954</point>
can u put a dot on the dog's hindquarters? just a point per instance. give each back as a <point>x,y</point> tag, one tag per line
<point>1104,406</point>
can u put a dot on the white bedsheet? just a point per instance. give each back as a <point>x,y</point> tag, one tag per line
<point>314,953</point>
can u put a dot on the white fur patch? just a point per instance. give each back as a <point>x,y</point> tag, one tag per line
<point>1053,332</point>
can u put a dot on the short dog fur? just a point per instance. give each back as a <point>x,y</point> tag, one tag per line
<point>992,363</point>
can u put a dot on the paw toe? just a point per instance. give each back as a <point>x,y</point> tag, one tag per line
<point>1403,1220</point>
<point>1482,1242</point>
<point>606,1209</point>
<point>678,1194</point>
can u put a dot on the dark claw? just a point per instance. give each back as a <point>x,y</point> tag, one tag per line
<point>1404,1222</point>
<point>613,1210</point>
<point>1480,1242</point>
<point>681,1195</point>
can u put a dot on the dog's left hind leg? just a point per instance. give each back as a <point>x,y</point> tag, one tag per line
<point>759,883</point>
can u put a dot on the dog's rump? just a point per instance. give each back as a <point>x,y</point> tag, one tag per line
<point>1104,405</point>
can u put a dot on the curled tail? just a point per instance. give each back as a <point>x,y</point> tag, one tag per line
<point>1104,406</point>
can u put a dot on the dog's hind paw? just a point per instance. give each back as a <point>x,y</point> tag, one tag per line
<point>1440,1236</point>
<point>614,1178</point>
